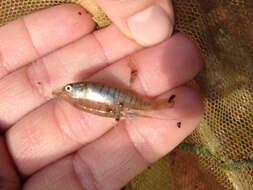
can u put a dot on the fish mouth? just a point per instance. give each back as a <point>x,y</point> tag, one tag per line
<point>61,94</point>
<point>58,92</point>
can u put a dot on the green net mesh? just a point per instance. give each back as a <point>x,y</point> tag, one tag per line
<point>219,153</point>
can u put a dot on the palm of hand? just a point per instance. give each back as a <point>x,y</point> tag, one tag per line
<point>70,149</point>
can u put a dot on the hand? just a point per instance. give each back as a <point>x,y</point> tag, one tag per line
<point>55,146</point>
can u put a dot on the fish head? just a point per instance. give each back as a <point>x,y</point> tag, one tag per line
<point>72,90</point>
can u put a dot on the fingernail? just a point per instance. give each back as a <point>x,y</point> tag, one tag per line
<point>150,26</point>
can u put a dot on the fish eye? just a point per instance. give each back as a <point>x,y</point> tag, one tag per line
<point>68,88</point>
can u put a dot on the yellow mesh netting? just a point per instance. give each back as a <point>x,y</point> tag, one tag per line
<point>219,153</point>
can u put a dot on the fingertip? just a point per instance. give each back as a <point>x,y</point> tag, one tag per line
<point>150,26</point>
<point>146,22</point>
<point>167,65</point>
<point>188,102</point>
<point>190,48</point>
<point>188,110</point>
<point>154,138</point>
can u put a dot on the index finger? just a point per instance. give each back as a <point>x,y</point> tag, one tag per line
<point>35,35</point>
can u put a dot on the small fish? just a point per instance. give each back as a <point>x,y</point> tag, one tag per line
<point>109,101</point>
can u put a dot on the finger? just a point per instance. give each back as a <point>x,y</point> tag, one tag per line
<point>148,22</point>
<point>173,63</point>
<point>126,150</point>
<point>63,124</point>
<point>41,33</point>
<point>8,175</point>
<point>34,83</point>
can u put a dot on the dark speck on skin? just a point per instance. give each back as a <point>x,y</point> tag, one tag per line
<point>171,98</point>
<point>79,13</point>
<point>179,124</point>
<point>134,71</point>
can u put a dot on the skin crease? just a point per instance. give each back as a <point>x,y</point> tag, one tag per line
<point>53,145</point>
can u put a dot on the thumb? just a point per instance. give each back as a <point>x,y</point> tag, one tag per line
<point>148,22</point>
